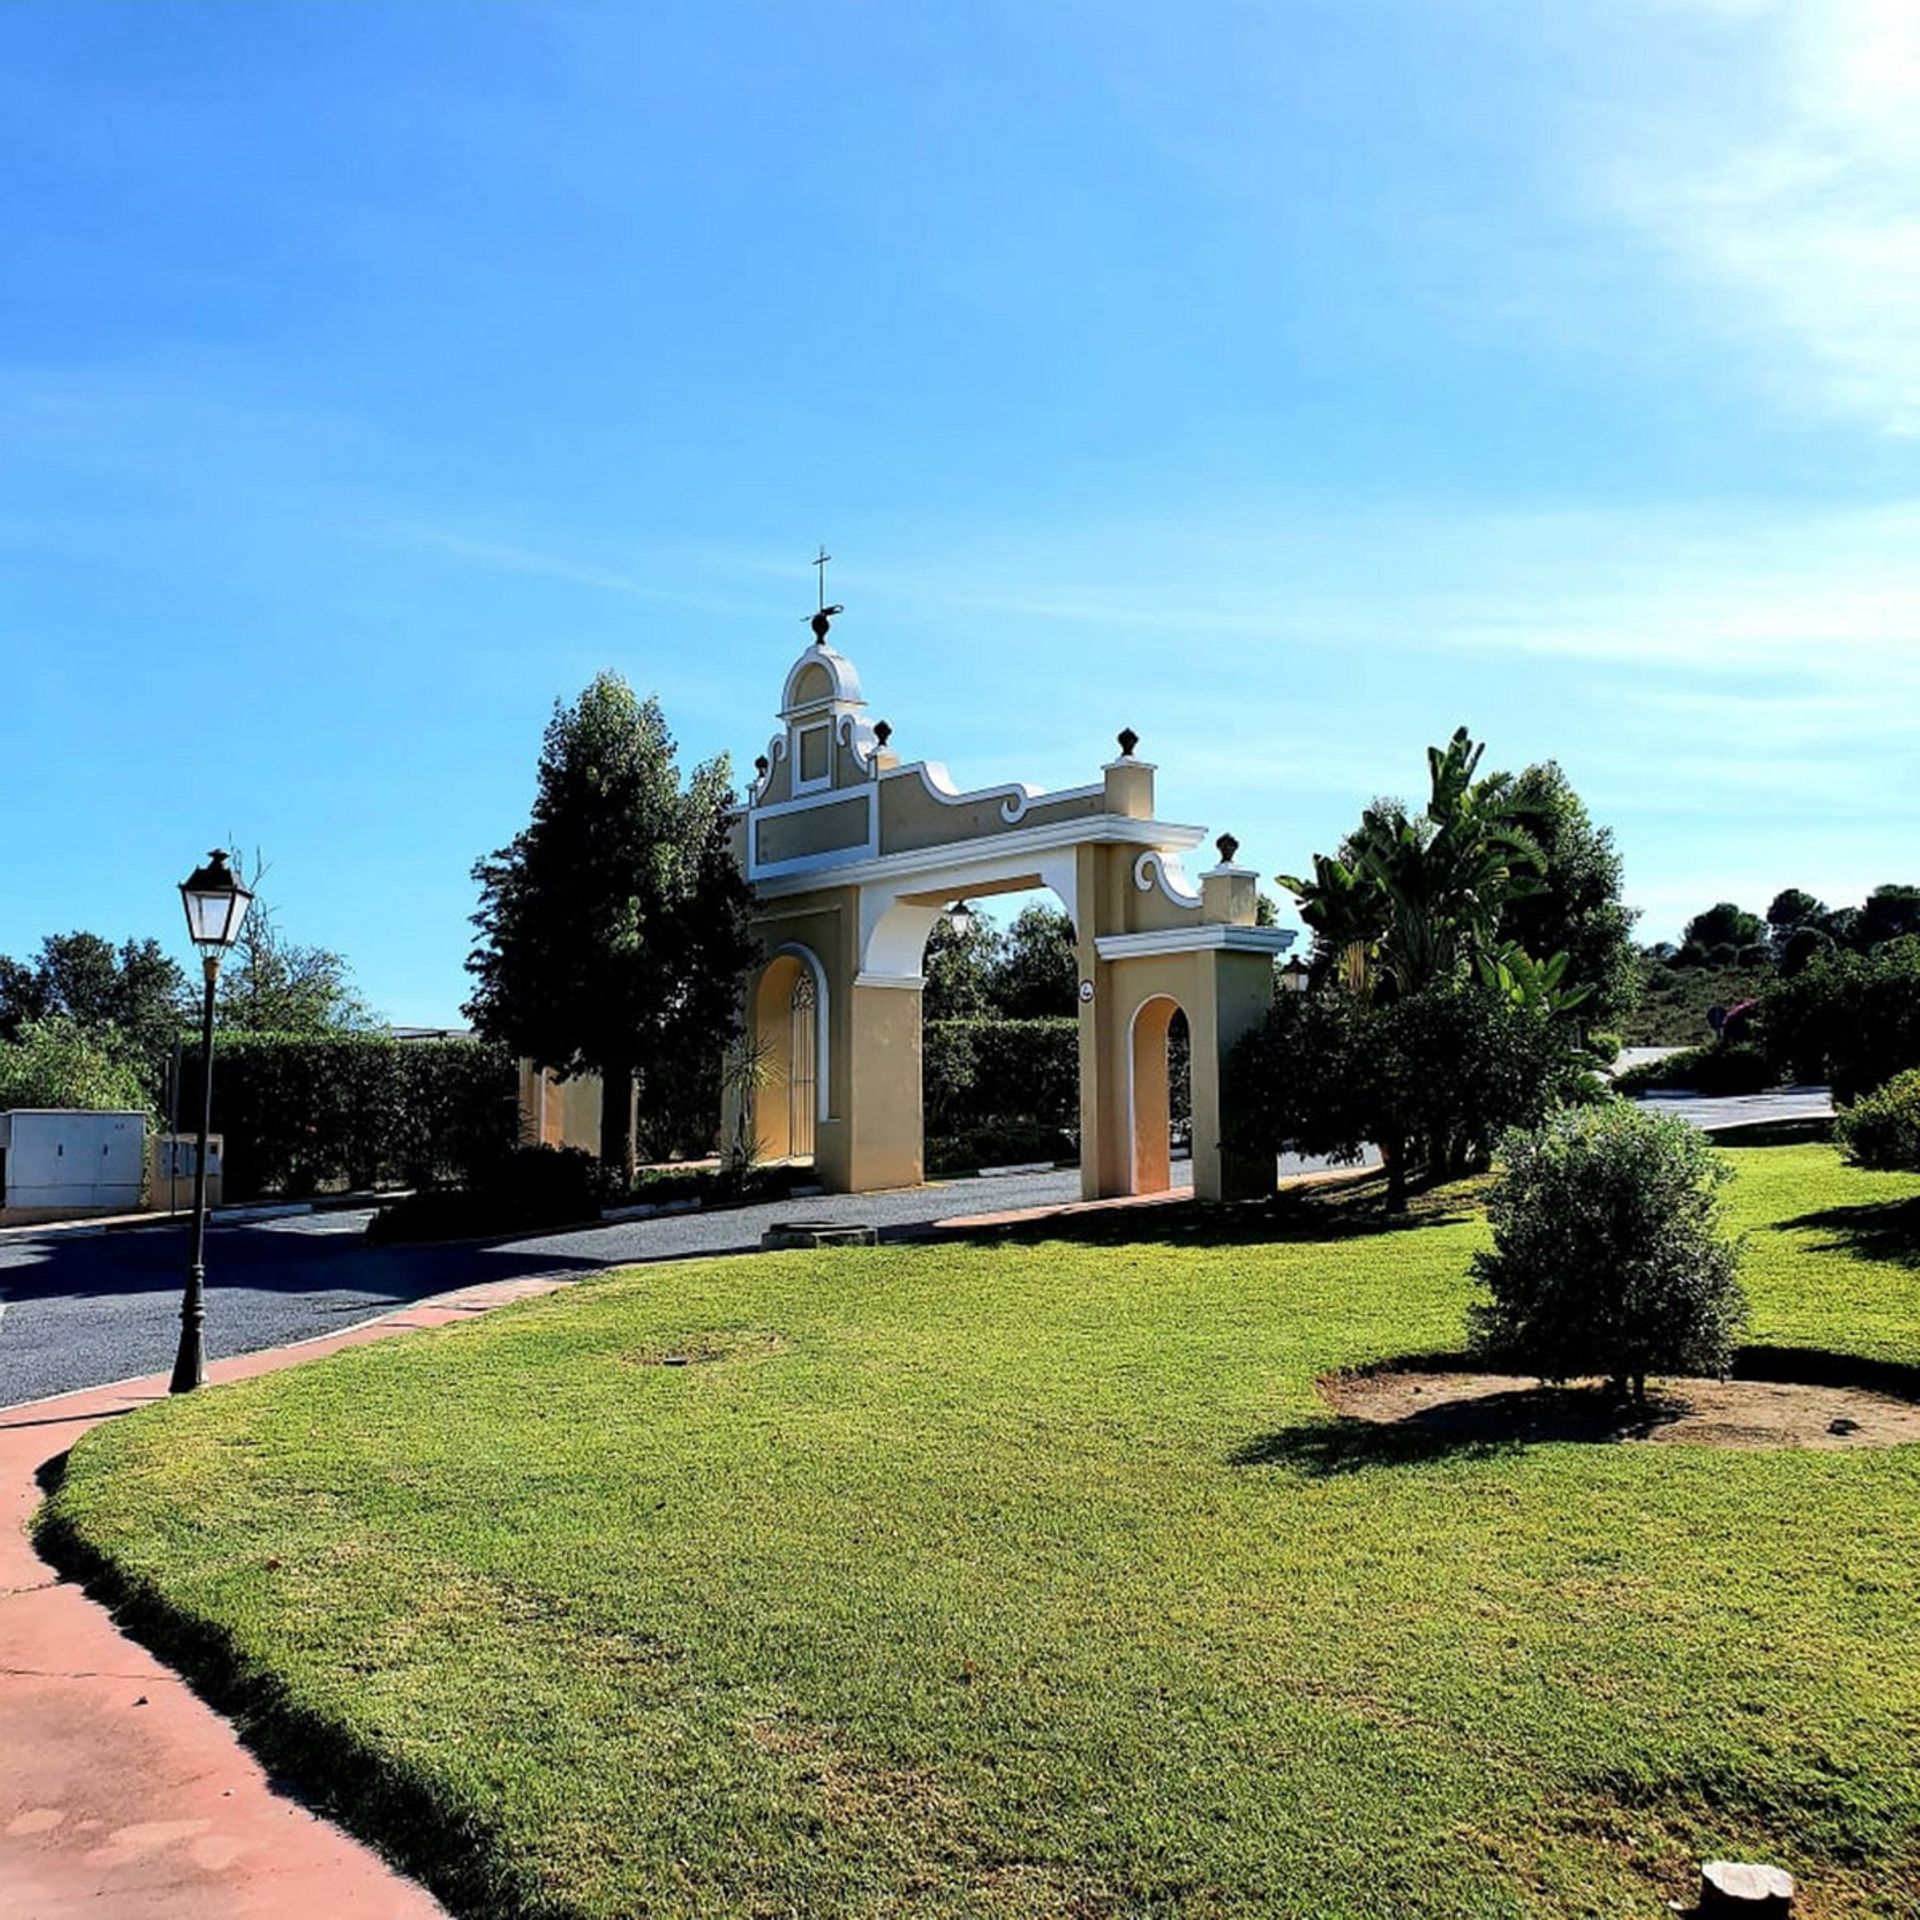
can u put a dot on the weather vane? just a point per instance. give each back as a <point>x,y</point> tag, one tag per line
<point>820,621</point>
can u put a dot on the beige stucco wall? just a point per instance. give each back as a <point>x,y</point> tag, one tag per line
<point>1224,996</point>
<point>842,824</point>
<point>912,817</point>
<point>165,1195</point>
<point>559,1113</point>
<point>886,1143</point>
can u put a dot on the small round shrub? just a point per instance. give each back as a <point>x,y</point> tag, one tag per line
<point>1608,1254</point>
<point>1882,1129</point>
<point>1604,1046</point>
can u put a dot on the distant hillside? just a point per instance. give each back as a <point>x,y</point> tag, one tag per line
<point>1674,1000</point>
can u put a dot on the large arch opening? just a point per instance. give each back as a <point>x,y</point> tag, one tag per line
<point>790,1031</point>
<point>1000,1033</point>
<point>1159,1093</point>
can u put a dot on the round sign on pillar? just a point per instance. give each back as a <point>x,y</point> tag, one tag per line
<point>1086,992</point>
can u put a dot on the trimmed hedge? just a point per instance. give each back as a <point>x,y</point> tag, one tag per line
<point>535,1188</point>
<point>1725,1067</point>
<point>1882,1129</point>
<point>981,1075</point>
<point>1001,1091</point>
<point>525,1190</point>
<point>302,1113</point>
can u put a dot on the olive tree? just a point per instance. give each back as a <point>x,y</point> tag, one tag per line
<point>1609,1254</point>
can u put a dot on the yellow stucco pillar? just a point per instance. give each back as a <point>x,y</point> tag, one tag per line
<point>884,1139</point>
<point>1239,993</point>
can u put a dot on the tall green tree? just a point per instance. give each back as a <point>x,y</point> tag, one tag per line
<point>1412,897</point>
<point>1891,912</point>
<point>960,969</point>
<point>1796,928</point>
<point>1575,906</point>
<point>129,1000</point>
<point>1431,1024</point>
<point>613,932</point>
<point>1723,925</point>
<point>1039,974</point>
<point>56,1062</point>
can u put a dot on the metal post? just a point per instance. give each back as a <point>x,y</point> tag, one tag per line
<point>173,1129</point>
<point>190,1364</point>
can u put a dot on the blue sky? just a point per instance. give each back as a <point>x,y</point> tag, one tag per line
<point>1289,382</point>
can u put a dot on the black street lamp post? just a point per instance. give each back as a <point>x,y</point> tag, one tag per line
<point>216,903</point>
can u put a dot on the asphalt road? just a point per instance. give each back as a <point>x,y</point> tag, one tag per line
<point>78,1309</point>
<point>1716,1112</point>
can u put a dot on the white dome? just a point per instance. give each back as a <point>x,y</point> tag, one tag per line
<point>820,678</point>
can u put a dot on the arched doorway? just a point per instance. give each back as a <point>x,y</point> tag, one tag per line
<point>1158,1054</point>
<point>789,1025</point>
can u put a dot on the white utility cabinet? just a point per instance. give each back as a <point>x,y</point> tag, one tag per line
<point>56,1161</point>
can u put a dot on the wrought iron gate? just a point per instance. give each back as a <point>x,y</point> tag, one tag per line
<point>802,1070</point>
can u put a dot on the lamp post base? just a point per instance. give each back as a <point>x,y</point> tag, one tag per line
<point>190,1363</point>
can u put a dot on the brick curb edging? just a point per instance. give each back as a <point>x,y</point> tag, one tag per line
<point>125,1796</point>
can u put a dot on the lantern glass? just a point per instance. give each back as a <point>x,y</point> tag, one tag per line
<point>960,919</point>
<point>216,903</point>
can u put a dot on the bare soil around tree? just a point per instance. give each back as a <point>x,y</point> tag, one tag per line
<point>1837,1404</point>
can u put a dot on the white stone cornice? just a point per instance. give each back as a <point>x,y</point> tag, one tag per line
<point>1210,934</point>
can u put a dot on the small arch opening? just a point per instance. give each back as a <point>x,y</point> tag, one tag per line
<point>1160,1093</point>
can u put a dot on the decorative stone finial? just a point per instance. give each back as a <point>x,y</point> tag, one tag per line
<point>1228,846</point>
<point>883,731</point>
<point>1128,741</point>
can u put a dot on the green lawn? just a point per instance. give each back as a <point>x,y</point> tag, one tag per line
<point>1033,1579</point>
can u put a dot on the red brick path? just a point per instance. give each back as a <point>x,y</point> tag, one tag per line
<point>122,1795</point>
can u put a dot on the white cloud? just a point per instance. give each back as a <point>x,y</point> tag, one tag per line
<point>507,557</point>
<point>1793,196</point>
<point>1778,604</point>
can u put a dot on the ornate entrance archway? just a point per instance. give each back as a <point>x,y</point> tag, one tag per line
<point>853,854</point>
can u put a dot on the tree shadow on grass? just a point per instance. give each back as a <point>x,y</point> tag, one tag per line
<point>1886,1230</point>
<point>1329,1449</point>
<point>1343,1210</point>
<point>1821,1367</point>
<point>1488,1426</point>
